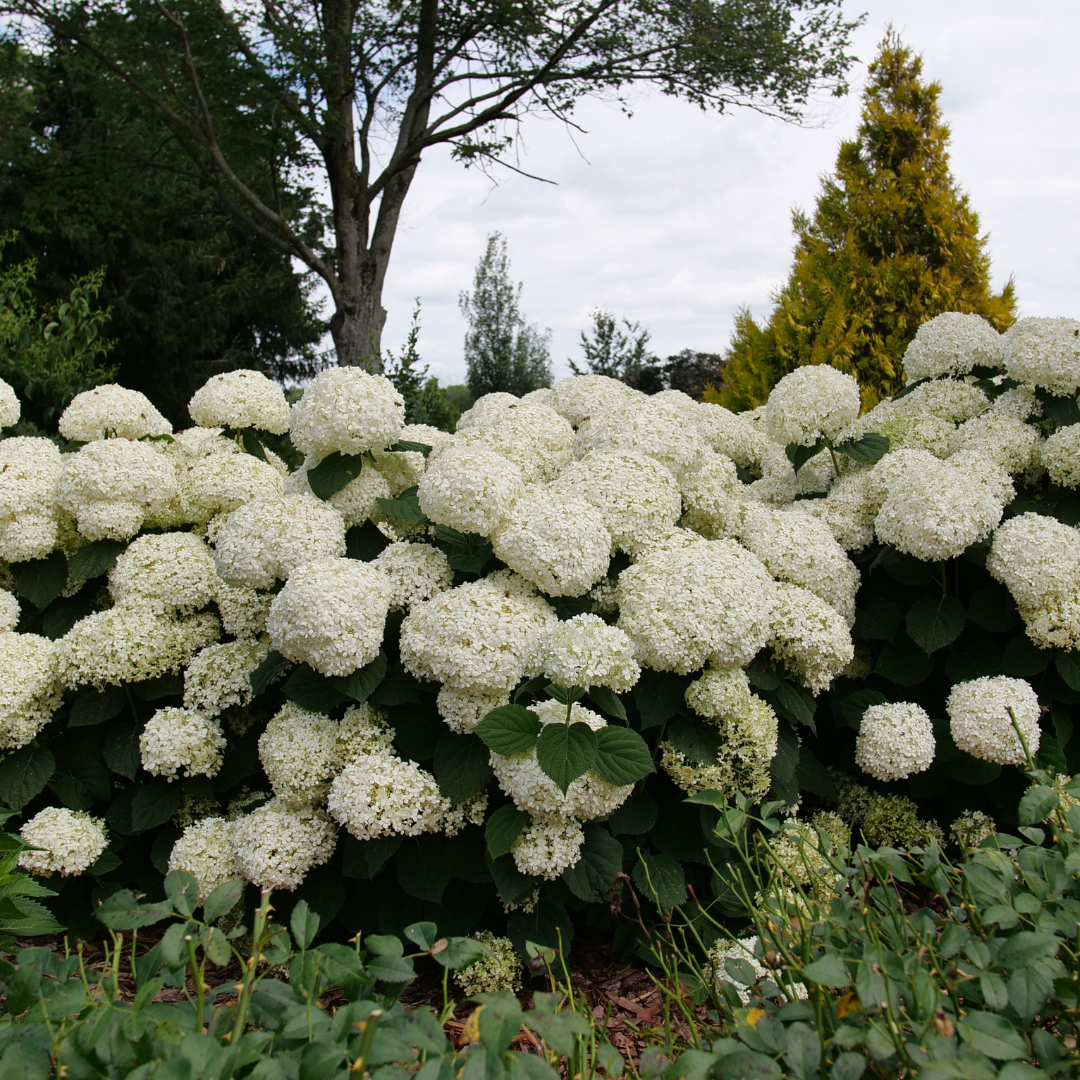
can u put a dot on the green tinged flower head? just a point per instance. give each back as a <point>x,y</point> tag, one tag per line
<point>499,970</point>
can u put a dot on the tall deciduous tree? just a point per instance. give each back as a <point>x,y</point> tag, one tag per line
<point>368,86</point>
<point>892,243</point>
<point>502,352</point>
<point>614,351</point>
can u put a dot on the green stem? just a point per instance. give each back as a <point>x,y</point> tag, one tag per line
<point>569,706</point>
<point>944,580</point>
<point>835,462</point>
<point>197,979</point>
<point>1020,736</point>
<point>262,916</point>
<point>131,703</point>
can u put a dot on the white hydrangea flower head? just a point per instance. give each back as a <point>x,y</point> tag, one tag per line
<point>1004,440</point>
<point>951,344</point>
<point>905,427</point>
<point>470,811</point>
<point>176,568</point>
<point>656,428</point>
<point>416,572</point>
<point>713,494</point>
<point>10,611</point>
<point>849,509</point>
<point>181,739</point>
<point>778,484</point>
<point>241,399</point>
<point>1019,402</point>
<point>348,411</point>
<point>542,395</point>
<point>801,549</point>
<point>331,614</point>
<point>971,828</point>
<point>1044,352</point>
<point>267,539</point>
<point>1036,557</point>
<point>546,848</point>
<point>811,402</point>
<point>112,485</point>
<point>810,636</point>
<point>299,754</point>
<point>30,686</point>
<point>469,488</point>
<point>1060,454</point>
<point>130,643</point>
<point>538,440</point>
<point>719,693</point>
<point>29,472</point>
<point>732,434</point>
<point>580,396</point>
<point>219,676</point>
<point>980,720</point>
<point>584,651</point>
<point>935,509</point>
<point>463,710</point>
<point>243,611</point>
<point>636,495</point>
<point>946,399</point>
<point>276,845</point>
<point>362,730</point>
<point>10,406</point>
<point>220,482</point>
<point>355,501</point>
<point>533,791</point>
<point>205,850</point>
<point>499,970</point>
<point>674,539</point>
<point>895,741</point>
<point>402,469</point>
<point>486,410</point>
<point>70,842</point>
<point>555,539</point>
<point>378,794</point>
<point>710,601</point>
<point>475,637</point>
<point>111,411</point>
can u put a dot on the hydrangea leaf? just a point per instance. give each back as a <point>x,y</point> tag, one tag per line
<point>266,672</point>
<point>361,684</point>
<point>993,608</point>
<point>422,869</point>
<point>1062,410</point>
<point>95,559</point>
<point>601,860</point>
<point>406,507</point>
<point>799,455</point>
<point>364,542</point>
<point>41,580</point>
<point>461,765</point>
<point>661,878</point>
<point>871,447</point>
<point>403,446</point>
<point>903,662</point>
<point>334,472</point>
<point>622,756</point>
<point>312,691</point>
<point>95,707</point>
<point>64,612</point>
<point>659,695</point>
<point>466,552</point>
<point>24,774</point>
<point>608,702</point>
<point>566,751</point>
<point>502,828</point>
<point>509,729</point>
<point>1023,658</point>
<point>153,804</point>
<point>934,623</point>
<point>784,764</point>
<point>852,707</point>
<point>635,817</point>
<point>877,619</point>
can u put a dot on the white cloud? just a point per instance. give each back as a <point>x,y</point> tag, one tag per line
<point>676,219</point>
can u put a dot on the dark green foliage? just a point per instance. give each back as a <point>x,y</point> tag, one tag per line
<point>892,243</point>
<point>502,353</point>
<point>614,352</point>
<point>425,401</point>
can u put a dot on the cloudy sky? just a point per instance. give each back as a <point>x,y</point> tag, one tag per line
<point>676,219</point>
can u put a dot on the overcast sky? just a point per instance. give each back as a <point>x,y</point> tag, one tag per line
<point>676,219</point>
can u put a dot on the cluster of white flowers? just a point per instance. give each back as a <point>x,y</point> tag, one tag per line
<point>981,713</point>
<point>69,841</point>
<point>219,676</point>
<point>205,850</point>
<point>176,568</point>
<point>546,848</point>
<point>348,411</point>
<point>810,403</point>
<point>415,572</point>
<point>30,686</point>
<point>241,399</point>
<point>181,739</point>
<point>809,636</point>
<point>276,845</point>
<point>952,344</point>
<point>1044,352</point>
<point>1061,456</point>
<point>299,754</point>
<point>10,406</point>
<point>29,471</point>
<point>895,741</point>
<point>111,411</point>
<point>469,488</point>
<point>497,971</point>
<point>355,501</point>
<point>584,651</point>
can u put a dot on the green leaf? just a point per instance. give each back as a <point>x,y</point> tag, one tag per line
<point>902,567</point>
<point>744,1064</point>
<point>871,447</point>
<point>459,952</point>
<point>933,624</point>
<point>594,873</point>
<point>607,702</point>
<point>812,776</point>
<point>362,683</point>
<point>424,934</point>
<point>93,707</point>
<point>406,507</point>
<point>784,765</point>
<point>104,863</point>
<point>41,580</point>
<point>334,472</point>
<point>848,1066</point>
<point>391,969</point>
<point>659,695</point>
<point>622,756</point>
<point>266,672</point>
<point>122,911</point>
<point>993,608</point>
<point>312,691</point>
<point>828,970</point>
<point>992,1035</point>
<point>877,619</point>
<point>565,752</point>
<point>512,885</point>
<point>509,729</point>
<point>404,446</point>
<point>161,686</point>
<point>794,704</point>
<point>465,552</point>
<point>183,890</point>
<point>503,828</point>
<point>422,868</point>
<point>853,707</point>
<point>661,878</point>
<point>24,774</point>
<point>1023,658</point>
<point>154,803</point>
<point>635,817</point>
<point>1068,667</point>
<point>699,742</point>
<point>461,765</point>
<point>120,749</point>
<point>63,613</point>
<point>95,559</point>
<point>364,542</point>
<point>1062,410</point>
<point>903,662</point>
<point>799,455</point>
<point>304,924</point>
<point>1037,804</point>
<point>223,899</point>
<point>251,444</point>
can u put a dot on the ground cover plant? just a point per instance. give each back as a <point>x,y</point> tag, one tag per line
<point>466,678</point>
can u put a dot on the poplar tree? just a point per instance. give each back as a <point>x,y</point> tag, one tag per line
<point>893,242</point>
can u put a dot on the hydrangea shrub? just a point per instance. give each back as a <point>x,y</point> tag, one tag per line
<point>472,678</point>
